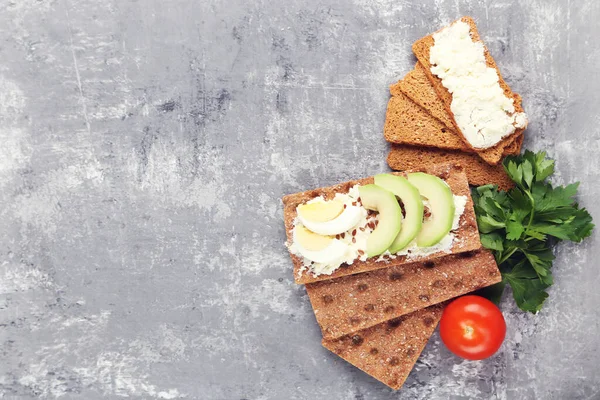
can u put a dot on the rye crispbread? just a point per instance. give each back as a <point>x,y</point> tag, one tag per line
<point>408,123</point>
<point>421,49</point>
<point>356,302</point>
<point>514,148</point>
<point>417,87</point>
<point>466,236</point>
<point>404,157</point>
<point>413,121</point>
<point>388,351</point>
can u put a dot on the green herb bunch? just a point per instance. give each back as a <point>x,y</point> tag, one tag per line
<point>521,226</point>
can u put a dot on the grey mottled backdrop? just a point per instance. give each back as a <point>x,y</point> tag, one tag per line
<point>144,149</point>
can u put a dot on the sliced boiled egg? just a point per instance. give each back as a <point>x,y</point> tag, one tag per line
<point>321,211</point>
<point>318,248</point>
<point>319,217</point>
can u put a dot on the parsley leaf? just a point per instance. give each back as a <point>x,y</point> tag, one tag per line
<point>528,291</point>
<point>514,230</point>
<point>492,241</point>
<point>521,226</point>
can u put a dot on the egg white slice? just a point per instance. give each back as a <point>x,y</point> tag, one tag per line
<point>317,248</point>
<point>348,219</point>
<point>329,255</point>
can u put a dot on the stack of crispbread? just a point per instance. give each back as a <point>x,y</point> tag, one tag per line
<point>379,314</point>
<point>421,127</point>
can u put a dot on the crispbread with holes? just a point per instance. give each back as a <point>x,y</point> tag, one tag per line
<point>421,49</point>
<point>404,157</point>
<point>466,236</point>
<point>356,302</point>
<point>389,351</point>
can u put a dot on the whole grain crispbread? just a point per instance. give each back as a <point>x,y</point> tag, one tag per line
<point>416,116</point>
<point>389,351</point>
<point>514,148</point>
<point>466,236</point>
<point>404,157</point>
<point>356,302</point>
<point>421,49</point>
<point>417,87</point>
<point>408,123</point>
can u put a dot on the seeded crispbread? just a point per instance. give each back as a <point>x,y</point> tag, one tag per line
<point>356,302</point>
<point>421,49</point>
<point>389,351</point>
<point>416,116</point>
<point>403,157</point>
<point>466,236</point>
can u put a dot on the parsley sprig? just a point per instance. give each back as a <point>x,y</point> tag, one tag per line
<point>521,226</point>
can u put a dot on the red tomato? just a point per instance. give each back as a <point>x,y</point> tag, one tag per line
<point>472,327</point>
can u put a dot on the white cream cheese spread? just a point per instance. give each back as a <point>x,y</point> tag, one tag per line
<point>481,109</point>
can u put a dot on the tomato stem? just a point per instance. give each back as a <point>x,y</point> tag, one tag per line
<point>468,332</point>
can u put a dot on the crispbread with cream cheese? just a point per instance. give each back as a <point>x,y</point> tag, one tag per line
<point>421,49</point>
<point>419,89</point>
<point>404,157</point>
<point>466,236</point>
<point>356,302</point>
<point>388,351</point>
<point>408,123</point>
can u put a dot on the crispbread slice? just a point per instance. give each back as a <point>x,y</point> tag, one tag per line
<point>416,116</point>
<point>417,87</point>
<point>421,49</point>
<point>466,236</point>
<point>408,123</point>
<point>514,148</point>
<point>356,302</point>
<point>404,157</point>
<point>389,351</point>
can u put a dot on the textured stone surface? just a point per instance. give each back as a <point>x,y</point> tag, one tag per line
<point>144,147</point>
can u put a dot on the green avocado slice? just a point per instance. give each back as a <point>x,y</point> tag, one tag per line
<point>413,208</point>
<point>441,206</point>
<point>374,197</point>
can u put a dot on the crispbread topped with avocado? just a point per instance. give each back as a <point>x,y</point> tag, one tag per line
<point>337,231</point>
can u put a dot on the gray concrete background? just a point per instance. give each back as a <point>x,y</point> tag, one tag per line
<point>144,149</point>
